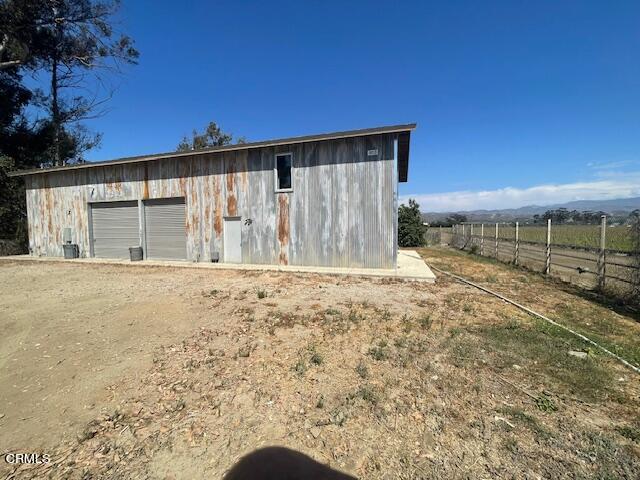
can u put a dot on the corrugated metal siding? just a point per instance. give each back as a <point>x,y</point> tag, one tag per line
<point>165,229</point>
<point>340,213</point>
<point>115,229</point>
<point>341,207</point>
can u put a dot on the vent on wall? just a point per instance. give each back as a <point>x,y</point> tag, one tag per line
<point>372,153</point>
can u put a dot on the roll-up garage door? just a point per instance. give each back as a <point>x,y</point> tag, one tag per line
<point>115,228</point>
<point>165,229</point>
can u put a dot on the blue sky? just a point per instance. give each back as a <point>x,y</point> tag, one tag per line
<point>517,102</point>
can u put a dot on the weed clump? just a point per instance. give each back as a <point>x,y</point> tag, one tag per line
<point>300,367</point>
<point>368,394</point>
<point>378,352</point>
<point>354,316</point>
<point>313,357</point>
<point>529,421</point>
<point>454,332</point>
<point>362,370</point>
<point>400,342</point>
<point>544,403</point>
<point>316,358</point>
<point>512,324</point>
<point>425,322</point>
<point>632,433</point>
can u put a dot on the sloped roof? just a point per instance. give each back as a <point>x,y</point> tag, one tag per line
<point>403,131</point>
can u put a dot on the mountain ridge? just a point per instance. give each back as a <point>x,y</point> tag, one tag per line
<point>616,206</point>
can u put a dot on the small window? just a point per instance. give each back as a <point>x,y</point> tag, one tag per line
<point>283,172</point>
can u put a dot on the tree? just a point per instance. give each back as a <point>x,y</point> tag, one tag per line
<point>448,221</point>
<point>410,228</point>
<point>213,136</point>
<point>456,218</point>
<point>22,40</point>
<point>22,145</point>
<point>74,44</point>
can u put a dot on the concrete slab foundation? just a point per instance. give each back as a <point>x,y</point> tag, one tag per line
<point>410,266</point>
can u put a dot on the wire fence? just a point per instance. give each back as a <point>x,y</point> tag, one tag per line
<point>606,258</point>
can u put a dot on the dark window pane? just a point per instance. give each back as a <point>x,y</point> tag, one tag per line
<point>284,171</point>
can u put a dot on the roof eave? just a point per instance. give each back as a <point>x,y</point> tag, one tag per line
<point>404,140</point>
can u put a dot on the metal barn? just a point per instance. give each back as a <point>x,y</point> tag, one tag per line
<point>319,200</point>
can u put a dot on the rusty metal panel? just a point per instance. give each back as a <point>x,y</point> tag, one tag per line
<point>340,212</point>
<point>283,228</point>
<point>205,197</point>
<point>268,240</point>
<point>60,200</point>
<point>258,200</point>
<point>190,184</point>
<point>217,179</point>
<point>251,247</point>
<point>231,191</point>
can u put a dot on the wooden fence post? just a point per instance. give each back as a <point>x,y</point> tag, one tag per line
<point>516,252</point>
<point>547,265</point>
<point>440,230</point>
<point>471,241</point>
<point>602,258</point>
<point>482,239</point>
<point>496,241</point>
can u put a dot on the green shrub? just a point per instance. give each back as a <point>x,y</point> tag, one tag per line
<point>410,228</point>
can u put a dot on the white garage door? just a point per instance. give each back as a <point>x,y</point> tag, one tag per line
<point>115,228</point>
<point>165,227</point>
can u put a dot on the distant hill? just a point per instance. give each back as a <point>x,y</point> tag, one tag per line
<point>618,206</point>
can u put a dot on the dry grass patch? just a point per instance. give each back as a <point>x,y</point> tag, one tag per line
<point>456,383</point>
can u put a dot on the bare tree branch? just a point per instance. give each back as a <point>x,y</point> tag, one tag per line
<point>9,64</point>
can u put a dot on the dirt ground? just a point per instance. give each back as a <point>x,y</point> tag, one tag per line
<point>135,372</point>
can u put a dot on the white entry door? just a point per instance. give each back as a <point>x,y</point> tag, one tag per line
<point>232,240</point>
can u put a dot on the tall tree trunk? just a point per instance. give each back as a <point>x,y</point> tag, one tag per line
<point>55,86</point>
<point>55,112</point>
